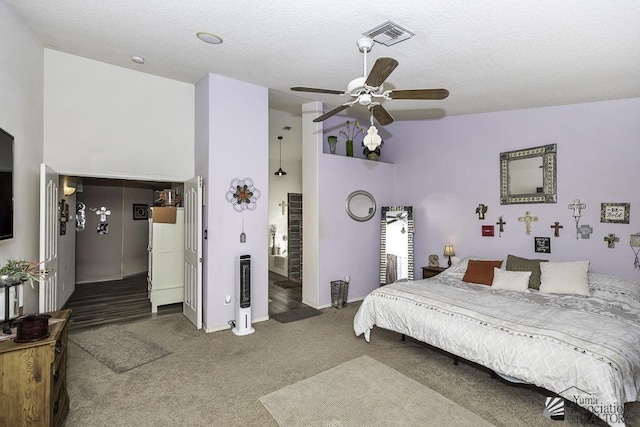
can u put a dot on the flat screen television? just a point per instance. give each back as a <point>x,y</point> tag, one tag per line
<point>6,185</point>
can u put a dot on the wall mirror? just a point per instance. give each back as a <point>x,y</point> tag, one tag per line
<point>396,244</point>
<point>360,205</point>
<point>528,176</point>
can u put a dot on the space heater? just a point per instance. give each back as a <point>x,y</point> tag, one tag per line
<point>243,297</point>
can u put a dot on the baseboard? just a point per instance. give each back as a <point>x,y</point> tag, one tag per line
<point>320,307</point>
<point>225,327</point>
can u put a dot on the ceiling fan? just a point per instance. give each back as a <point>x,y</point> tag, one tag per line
<point>368,89</point>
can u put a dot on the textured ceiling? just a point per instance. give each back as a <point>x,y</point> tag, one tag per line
<point>492,55</point>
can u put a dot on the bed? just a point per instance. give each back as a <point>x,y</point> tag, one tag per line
<point>584,348</point>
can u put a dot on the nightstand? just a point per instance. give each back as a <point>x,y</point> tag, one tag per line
<point>432,271</point>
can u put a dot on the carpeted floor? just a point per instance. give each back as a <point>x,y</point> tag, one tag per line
<point>218,378</point>
<point>365,392</point>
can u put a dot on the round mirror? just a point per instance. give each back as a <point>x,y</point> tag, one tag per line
<point>360,205</point>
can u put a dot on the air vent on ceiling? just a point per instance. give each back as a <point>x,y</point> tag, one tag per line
<point>388,33</point>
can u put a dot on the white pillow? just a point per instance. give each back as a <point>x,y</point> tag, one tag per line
<point>461,266</point>
<point>510,280</point>
<point>565,278</point>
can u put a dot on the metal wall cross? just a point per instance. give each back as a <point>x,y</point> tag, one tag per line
<point>611,240</point>
<point>481,210</point>
<point>556,229</point>
<point>103,212</point>
<point>528,219</point>
<point>585,231</point>
<point>283,205</point>
<point>501,224</point>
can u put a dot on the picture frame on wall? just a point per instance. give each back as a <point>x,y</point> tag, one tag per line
<point>615,213</point>
<point>140,211</point>
<point>542,244</point>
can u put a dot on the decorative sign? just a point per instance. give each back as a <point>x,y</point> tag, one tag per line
<point>585,231</point>
<point>140,211</point>
<point>487,231</point>
<point>617,213</point>
<point>543,244</point>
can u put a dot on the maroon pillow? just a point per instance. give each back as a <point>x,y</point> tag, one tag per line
<point>480,271</point>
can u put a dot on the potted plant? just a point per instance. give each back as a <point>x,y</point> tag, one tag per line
<point>15,271</point>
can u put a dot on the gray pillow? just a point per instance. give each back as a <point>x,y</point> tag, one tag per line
<point>515,263</point>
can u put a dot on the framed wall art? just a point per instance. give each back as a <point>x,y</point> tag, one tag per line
<point>616,213</point>
<point>542,244</point>
<point>140,211</point>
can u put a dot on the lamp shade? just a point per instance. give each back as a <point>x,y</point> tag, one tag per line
<point>448,251</point>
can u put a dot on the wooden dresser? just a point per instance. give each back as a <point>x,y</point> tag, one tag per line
<point>33,386</point>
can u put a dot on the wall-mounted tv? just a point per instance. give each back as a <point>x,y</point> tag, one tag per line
<point>6,185</point>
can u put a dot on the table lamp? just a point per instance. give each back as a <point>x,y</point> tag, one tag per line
<point>448,252</point>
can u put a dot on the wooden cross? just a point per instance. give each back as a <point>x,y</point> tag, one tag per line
<point>283,205</point>
<point>611,240</point>
<point>500,223</point>
<point>585,231</point>
<point>528,219</point>
<point>556,226</point>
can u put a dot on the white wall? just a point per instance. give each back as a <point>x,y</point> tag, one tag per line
<point>21,86</point>
<point>135,233</point>
<point>280,186</point>
<point>108,121</point>
<point>237,130</point>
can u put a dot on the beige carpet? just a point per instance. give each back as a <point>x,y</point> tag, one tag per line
<point>361,392</point>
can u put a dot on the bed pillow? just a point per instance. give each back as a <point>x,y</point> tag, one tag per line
<point>480,271</point>
<point>565,278</point>
<point>461,266</point>
<point>515,263</point>
<point>510,280</point>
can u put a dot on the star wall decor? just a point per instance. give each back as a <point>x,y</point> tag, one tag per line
<point>243,194</point>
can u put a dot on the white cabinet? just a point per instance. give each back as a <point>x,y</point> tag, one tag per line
<point>166,262</point>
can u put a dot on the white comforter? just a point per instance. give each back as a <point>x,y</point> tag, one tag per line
<point>586,349</point>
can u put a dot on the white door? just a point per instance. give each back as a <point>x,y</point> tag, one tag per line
<point>48,288</point>
<point>192,306</point>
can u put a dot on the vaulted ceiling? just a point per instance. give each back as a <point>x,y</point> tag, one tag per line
<point>492,55</point>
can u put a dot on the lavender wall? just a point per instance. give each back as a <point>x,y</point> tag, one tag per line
<point>446,167</point>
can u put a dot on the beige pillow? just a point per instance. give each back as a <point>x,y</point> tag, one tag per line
<point>510,280</point>
<point>565,278</point>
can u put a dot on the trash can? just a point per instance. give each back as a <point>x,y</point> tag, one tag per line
<point>339,293</point>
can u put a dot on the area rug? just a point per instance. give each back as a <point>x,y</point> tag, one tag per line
<point>296,314</point>
<point>287,284</point>
<point>118,348</point>
<point>361,392</point>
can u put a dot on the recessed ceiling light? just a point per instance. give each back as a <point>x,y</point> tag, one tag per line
<point>209,38</point>
<point>137,59</point>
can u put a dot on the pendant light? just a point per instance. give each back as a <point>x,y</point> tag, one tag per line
<point>280,172</point>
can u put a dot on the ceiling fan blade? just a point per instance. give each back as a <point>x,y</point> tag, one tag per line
<point>380,71</point>
<point>333,112</point>
<point>317,90</point>
<point>382,116</point>
<point>419,94</point>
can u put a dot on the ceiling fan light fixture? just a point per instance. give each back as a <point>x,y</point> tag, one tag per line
<point>372,140</point>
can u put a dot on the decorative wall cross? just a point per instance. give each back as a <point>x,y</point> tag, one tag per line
<point>556,229</point>
<point>611,240</point>
<point>528,219</point>
<point>577,213</point>
<point>283,205</point>
<point>585,231</point>
<point>481,210</point>
<point>103,212</point>
<point>501,224</point>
